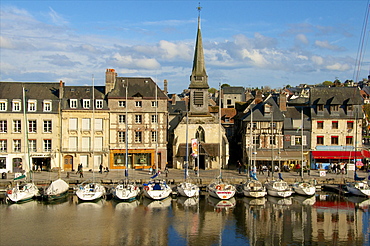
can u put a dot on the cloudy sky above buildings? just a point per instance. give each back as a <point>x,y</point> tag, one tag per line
<point>246,43</point>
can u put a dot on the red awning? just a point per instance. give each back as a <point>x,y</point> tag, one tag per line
<point>337,154</point>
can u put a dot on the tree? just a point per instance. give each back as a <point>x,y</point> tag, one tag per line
<point>225,85</point>
<point>212,90</point>
<point>327,83</point>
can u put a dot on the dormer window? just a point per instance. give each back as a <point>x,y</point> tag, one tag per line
<point>31,105</point>
<point>349,107</point>
<point>17,105</point>
<point>320,107</point>
<point>138,104</point>
<point>86,103</point>
<point>47,106</point>
<point>3,105</point>
<point>334,108</point>
<point>73,103</point>
<point>99,104</point>
<point>268,109</point>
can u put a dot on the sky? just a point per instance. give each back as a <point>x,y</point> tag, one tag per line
<point>246,43</point>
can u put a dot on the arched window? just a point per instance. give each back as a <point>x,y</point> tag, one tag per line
<point>200,135</point>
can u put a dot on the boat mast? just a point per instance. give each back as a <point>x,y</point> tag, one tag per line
<point>302,142</point>
<point>272,142</point>
<point>219,128</point>
<point>126,128</point>
<point>187,145</point>
<point>93,128</point>
<point>26,145</point>
<point>156,127</point>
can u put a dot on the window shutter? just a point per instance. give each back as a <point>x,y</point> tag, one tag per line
<point>292,140</point>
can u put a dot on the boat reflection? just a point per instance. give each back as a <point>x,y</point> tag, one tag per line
<point>304,200</point>
<point>149,203</point>
<point>284,201</point>
<point>188,201</point>
<point>254,201</point>
<point>126,205</point>
<point>221,204</point>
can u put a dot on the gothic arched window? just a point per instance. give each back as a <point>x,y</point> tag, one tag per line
<point>200,135</point>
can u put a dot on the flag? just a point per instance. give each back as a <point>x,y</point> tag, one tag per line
<point>194,146</point>
<point>299,128</point>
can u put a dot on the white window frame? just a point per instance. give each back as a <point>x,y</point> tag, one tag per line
<point>154,118</point>
<point>3,105</point>
<point>73,143</point>
<point>17,105</point>
<point>99,103</point>
<point>138,104</point>
<point>98,125</point>
<point>86,103</point>
<point>3,126</point>
<point>17,145</point>
<point>17,126</point>
<point>47,126</point>
<point>86,124</point>
<point>73,124</point>
<point>121,119</point>
<point>138,137</point>
<point>32,105</point>
<point>121,136</point>
<point>32,145</point>
<point>47,105</point>
<point>154,136</point>
<point>85,146</point>
<point>47,146</point>
<point>73,103</point>
<point>122,104</point>
<point>138,119</point>
<point>3,145</point>
<point>154,104</point>
<point>32,126</point>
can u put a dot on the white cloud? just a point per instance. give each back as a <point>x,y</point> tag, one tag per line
<point>302,38</point>
<point>318,60</point>
<point>339,67</point>
<point>56,18</point>
<point>326,45</point>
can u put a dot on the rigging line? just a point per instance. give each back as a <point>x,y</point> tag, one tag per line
<point>360,52</point>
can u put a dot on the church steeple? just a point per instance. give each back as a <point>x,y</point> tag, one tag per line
<point>199,78</point>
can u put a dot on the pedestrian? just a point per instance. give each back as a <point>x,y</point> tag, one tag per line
<point>106,170</point>
<point>239,166</point>
<point>345,167</point>
<point>81,171</point>
<point>101,168</point>
<point>166,171</point>
<point>196,170</point>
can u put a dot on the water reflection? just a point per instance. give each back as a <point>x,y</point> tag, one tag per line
<point>325,219</point>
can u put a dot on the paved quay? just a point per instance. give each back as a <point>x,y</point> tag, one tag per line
<point>175,176</point>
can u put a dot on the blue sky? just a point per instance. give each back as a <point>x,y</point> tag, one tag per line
<point>246,43</point>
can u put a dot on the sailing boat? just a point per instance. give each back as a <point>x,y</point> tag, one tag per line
<point>58,188</point>
<point>91,191</point>
<point>187,188</point>
<point>156,189</point>
<point>359,187</point>
<point>26,191</point>
<point>303,187</point>
<point>219,188</point>
<point>126,190</point>
<point>278,188</point>
<point>252,187</point>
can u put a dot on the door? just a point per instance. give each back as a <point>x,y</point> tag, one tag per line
<point>68,163</point>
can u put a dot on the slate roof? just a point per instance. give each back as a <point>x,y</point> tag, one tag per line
<point>80,93</point>
<point>39,91</point>
<point>259,111</point>
<point>335,95</point>
<point>233,90</point>
<point>143,87</point>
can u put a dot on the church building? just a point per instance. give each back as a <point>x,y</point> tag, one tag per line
<point>199,138</point>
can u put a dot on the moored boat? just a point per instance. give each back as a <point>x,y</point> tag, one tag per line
<point>188,189</point>
<point>358,188</point>
<point>91,192</point>
<point>56,190</point>
<point>278,188</point>
<point>22,192</point>
<point>221,190</point>
<point>253,188</point>
<point>125,191</point>
<point>157,189</point>
<point>304,188</point>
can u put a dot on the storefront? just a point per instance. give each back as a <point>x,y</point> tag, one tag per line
<point>137,159</point>
<point>323,159</point>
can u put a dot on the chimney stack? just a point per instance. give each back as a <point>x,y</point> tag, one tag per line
<point>110,80</point>
<point>61,89</point>
<point>282,101</point>
<point>165,87</point>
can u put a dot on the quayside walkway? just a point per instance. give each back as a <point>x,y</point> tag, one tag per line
<point>176,176</point>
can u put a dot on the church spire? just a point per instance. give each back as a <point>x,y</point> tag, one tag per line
<point>199,78</point>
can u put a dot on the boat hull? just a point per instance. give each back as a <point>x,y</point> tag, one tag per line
<point>304,189</point>
<point>254,189</point>
<point>126,192</point>
<point>157,190</point>
<point>278,188</point>
<point>58,189</point>
<point>23,193</point>
<point>359,189</point>
<point>188,189</point>
<point>91,192</point>
<point>221,190</point>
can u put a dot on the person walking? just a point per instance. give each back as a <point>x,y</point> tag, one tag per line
<point>239,167</point>
<point>101,168</point>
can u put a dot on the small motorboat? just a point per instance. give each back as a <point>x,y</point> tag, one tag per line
<point>188,189</point>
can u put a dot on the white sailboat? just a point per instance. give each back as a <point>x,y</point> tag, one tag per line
<point>359,187</point>
<point>126,190</point>
<point>25,191</point>
<point>91,191</point>
<point>278,188</point>
<point>219,188</point>
<point>252,187</point>
<point>157,189</point>
<point>302,187</point>
<point>56,190</point>
<point>187,188</point>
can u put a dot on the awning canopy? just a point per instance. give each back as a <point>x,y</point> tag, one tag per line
<point>340,154</point>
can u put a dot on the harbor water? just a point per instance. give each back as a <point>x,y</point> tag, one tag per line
<point>325,219</point>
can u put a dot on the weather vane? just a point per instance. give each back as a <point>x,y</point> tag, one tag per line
<point>199,8</point>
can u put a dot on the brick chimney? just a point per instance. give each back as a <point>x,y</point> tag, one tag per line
<point>165,87</point>
<point>110,80</point>
<point>61,89</point>
<point>282,101</point>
